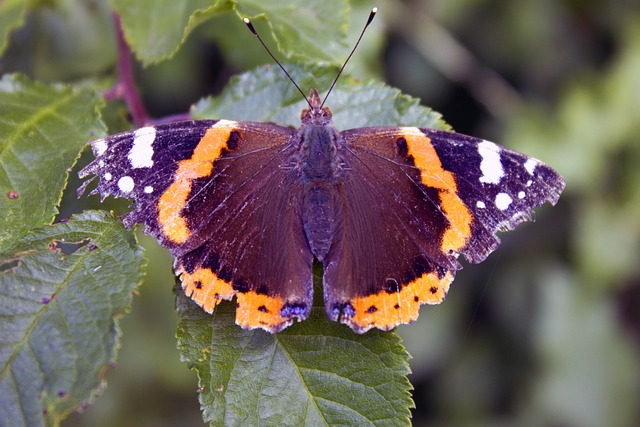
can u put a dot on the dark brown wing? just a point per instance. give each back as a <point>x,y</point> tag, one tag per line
<point>223,198</point>
<point>412,201</point>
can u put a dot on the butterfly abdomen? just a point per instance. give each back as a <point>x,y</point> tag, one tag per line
<point>319,218</point>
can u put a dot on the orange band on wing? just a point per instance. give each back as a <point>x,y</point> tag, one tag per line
<point>259,311</point>
<point>433,175</point>
<point>386,310</point>
<point>253,310</point>
<point>200,165</point>
<point>205,288</point>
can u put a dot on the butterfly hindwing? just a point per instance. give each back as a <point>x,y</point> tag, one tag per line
<point>213,204</point>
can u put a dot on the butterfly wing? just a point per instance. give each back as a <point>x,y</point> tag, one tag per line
<point>223,198</point>
<point>413,200</point>
<point>500,187</point>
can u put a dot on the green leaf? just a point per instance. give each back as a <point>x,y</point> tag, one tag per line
<point>265,94</point>
<point>316,372</point>
<point>12,13</point>
<point>316,29</point>
<point>62,289</point>
<point>306,29</point>
<point>155,29</point>
<point>42,129</point>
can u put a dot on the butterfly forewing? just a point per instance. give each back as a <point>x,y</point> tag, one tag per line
<point>500,187</point>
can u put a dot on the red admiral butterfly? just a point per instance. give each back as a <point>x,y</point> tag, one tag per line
<point>246,207</point>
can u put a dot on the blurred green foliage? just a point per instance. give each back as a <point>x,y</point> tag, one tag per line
<point>547,330</point>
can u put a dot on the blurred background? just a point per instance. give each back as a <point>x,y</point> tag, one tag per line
<point>546,331</point>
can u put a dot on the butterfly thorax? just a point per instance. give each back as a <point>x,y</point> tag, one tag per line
<point>318,152</point>
<point>317,140</point>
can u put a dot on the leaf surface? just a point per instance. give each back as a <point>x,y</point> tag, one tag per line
<point>155,29</point>
<point>42,129</point>
<point>12,13</point>
<point>62,289</point>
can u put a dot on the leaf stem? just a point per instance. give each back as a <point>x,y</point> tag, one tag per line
<point>125,87</point>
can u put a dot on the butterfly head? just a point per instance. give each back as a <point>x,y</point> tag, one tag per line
<point>316,114</point>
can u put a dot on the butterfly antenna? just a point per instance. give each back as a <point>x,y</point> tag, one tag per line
<point>247,21</point>
<point>371,16</point>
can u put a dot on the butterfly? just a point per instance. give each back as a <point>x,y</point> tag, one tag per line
<point>246,207</point>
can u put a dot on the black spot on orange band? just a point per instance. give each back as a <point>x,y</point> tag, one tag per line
<point>401,146</point>
<point>253,310</point>
<point>387,310</point>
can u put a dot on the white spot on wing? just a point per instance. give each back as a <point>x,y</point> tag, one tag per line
<point>148,189</point>
<point>490,165</point>
<point>503,200</point>
<point>99,146</point>
<point>107,176</point>
<point>126,184</point>
<point>142,150</point>
<point>480,204</point>
<point>521,195</point>
<point>225,124</point>
<point>530,165</point>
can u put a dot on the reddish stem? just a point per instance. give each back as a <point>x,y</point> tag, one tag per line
<point>125,87</point>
